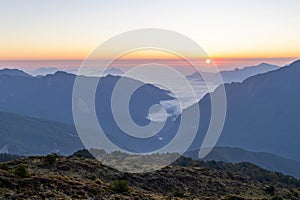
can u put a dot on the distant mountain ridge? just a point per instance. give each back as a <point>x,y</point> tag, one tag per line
<point>236,75</point>
<point>14,72</point>
<point>239,75</point>
<point>264,160</point>
<point>92,71</point>
<point>43,71</point>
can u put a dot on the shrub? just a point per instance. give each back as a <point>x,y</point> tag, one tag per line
<point>84,153</point>
<point>50,159</point>
<point>4,166</point>
<point>22,171</point>
<point>119,186</point>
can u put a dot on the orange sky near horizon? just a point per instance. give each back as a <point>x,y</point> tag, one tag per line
<point>222,64</point>
<point>79,54</point>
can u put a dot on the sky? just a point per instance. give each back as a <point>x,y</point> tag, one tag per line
<point>226,30</point>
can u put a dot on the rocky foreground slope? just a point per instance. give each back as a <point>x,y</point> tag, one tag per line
<point>74,177</point>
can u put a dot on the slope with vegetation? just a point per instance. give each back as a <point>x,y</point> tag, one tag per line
<point>77,177</point>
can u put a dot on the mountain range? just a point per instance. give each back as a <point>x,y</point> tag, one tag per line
<point>92,71</point>
<point>236,75</point>
<point>42,71</point>
<point>262,113</point>
<point>262,116</point>
<point>50,97</point>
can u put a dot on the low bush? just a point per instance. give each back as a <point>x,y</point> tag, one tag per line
<point>4,166</point>
<point>119,186</point>
<point>50,159</point>
<point>22,171</point>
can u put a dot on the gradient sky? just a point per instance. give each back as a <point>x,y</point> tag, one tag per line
<point>70,29</point>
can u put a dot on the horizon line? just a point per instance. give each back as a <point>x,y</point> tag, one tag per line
<point>137,59</point>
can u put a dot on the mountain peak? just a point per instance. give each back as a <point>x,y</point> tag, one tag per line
<point>60,73</point>
<point>114,71</point>
<point>263,64</point>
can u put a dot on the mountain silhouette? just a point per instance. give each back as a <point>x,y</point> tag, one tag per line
<point>14,72</point>
<point>50,97</point>
<point>262,113</point>
<point>42,71</point>
<point>265,160</point>
<point>236,75</point>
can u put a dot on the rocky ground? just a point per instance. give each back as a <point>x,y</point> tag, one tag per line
<point>76,177</point>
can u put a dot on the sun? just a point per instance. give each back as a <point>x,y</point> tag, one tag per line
<point>208,61</point>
